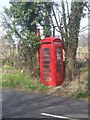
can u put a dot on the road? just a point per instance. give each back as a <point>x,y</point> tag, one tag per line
<point>17,104</point>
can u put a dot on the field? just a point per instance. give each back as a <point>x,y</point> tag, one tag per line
<point>82,53</point>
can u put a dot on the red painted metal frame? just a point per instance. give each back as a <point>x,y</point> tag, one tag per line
<point>55,77</point>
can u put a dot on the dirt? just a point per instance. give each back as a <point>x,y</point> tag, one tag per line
<point>72,88</point>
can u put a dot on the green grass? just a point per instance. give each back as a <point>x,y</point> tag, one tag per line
<point>83,95</point>
<point>6,67</point>
<point>13,78</point>
<point>41,87</point>
<point>84,67</point>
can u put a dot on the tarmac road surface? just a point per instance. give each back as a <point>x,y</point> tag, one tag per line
<point>17,104</point>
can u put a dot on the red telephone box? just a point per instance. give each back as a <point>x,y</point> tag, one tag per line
<point>51,61</point>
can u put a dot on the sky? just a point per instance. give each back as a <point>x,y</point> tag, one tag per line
<point>5,3</point>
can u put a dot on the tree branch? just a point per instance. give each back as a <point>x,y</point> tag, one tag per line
<point>57,21</point>
<point>84,28</point>
<point>8,25</point>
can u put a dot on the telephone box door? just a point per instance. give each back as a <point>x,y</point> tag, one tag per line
<point>45,63</point>
<point>59,64</point>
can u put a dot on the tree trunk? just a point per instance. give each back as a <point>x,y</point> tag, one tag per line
<point>69,65</point>
<point>70,52</point>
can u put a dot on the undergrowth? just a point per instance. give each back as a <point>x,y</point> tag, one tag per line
<point>13,78</point>
<point>83,95</point>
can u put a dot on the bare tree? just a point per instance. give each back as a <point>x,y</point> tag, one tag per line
<point>69,28</point>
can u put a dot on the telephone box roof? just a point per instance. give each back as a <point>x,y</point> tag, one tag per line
<point>50,39</point>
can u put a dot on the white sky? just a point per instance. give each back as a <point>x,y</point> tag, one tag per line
<point>5,3</point>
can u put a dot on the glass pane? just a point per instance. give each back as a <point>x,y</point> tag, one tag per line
<point>58,53</point>
<point>46,74</point>
<point>46,70</point>
<point>58,62</point>
<point>58,67</point>
<point>46,66</point>
<point>46,62</point>
<point>46,58</point>
<point>47,79</point>
<point>46,51</point>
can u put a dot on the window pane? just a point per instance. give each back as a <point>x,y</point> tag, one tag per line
<point>46,58</point>
<point>58,62</point>
<point>46,62</point>
<point>46,66</point>
<point>46,74</point>
<point>46,70</point>
<point>47,79</point>
<point>46,51</point>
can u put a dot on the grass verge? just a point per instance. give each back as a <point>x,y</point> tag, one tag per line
<point>12,78</point>
<point>83,95</point>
